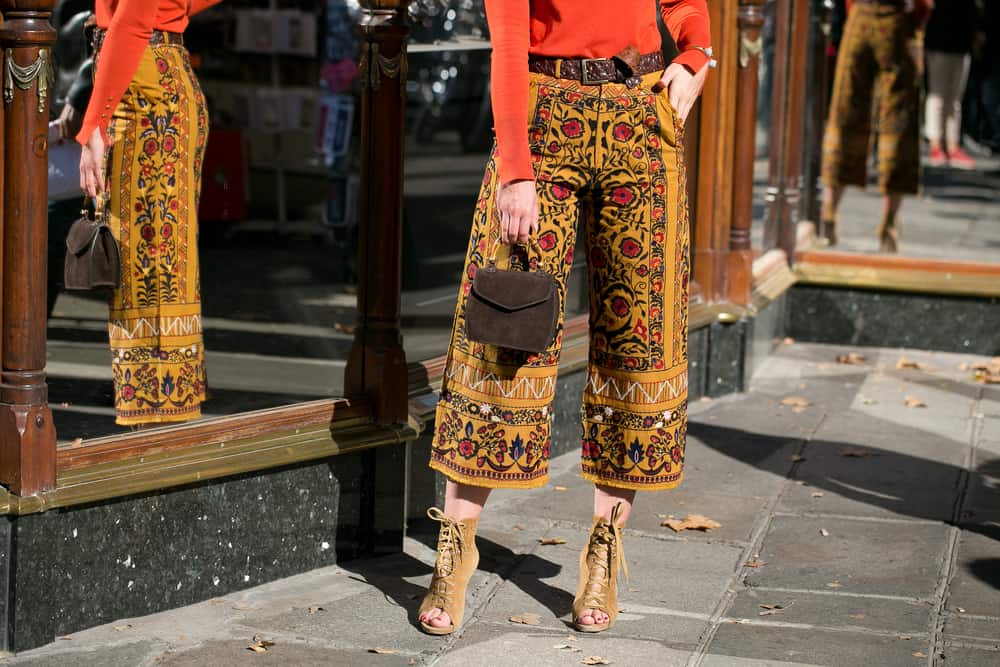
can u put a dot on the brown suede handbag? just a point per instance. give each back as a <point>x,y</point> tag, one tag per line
<point>92,254</point>
<point>518,310</point>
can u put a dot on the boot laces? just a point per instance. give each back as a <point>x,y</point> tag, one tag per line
<point>605,540</point>
<point>451,537</point>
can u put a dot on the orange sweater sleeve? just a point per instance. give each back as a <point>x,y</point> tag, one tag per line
<point>688,23</point>
<point>126,39</point>
<point>510,35</point>
<point>198,6</point>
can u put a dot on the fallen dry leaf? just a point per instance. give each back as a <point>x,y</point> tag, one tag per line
<point>914,402</point>
<point>771,609</point>
<point>834,584</point>
<point>551,540</point>
<point>857,452</point>
<point>960,610</point>
<point>795,401</point>
<point>755,563</point>
<point>914,365</point>
<point>122,628</point>
<point>526,619</point>
<point>383,651</point>
<point>560,488</point>
<point>567,647</point>
<point>963,367</point>
<point>260,645</point>
<point>594,660</point>
<point>817,494</point>
<point>517,526</point>
<point>796,458</point>
<point>315,610</point>
<point>344,328</point>
<point>851,358</point>
<point>856,617</point>
<point>987,373</point>
<point>919,654</point>
<point>692,522</point>
<point>824,532</point>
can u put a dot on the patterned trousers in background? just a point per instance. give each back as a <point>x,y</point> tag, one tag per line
<point>611,156</point>
<point>875,65</point>
<point>157,134</point>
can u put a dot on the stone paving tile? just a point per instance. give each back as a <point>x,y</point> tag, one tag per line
<point>835,611</point>
<point>976,582</point>
<point>121,655</point>
<point>813,647</point>
<point>235,653</point>
<point>960,625</point>
<point>982,499</point>
<point>735,513</point>
<point>964,656</point>
<point>493,645</point>
<point>900,559</point>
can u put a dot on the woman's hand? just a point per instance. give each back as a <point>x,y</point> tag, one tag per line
<point>517,206</point>
<point>683,88</point>
<point>92,165</point>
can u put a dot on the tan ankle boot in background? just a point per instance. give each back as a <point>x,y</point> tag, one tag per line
<point>457,559</point>
<point>888,234</point>
<point>599,562</point>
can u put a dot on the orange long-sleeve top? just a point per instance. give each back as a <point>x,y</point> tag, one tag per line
<point>574,29</point>
<point>922,8</point>
<point>129,25</point>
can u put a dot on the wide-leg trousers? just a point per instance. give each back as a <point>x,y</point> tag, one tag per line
<point>875,64</point>
<point>609,156</point>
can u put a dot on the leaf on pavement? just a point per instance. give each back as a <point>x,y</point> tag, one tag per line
<point>824,532</point>
<point>383,651</point>
<point>919,654</point>
<point>817,494</point>
<point>857,453</point>
<point>692,522</point>
<point>517,526</point>
<point>914,402</point>
<point>315,610</point>
<point>796,458</point>
<point>567,647</point>
<point>851,358</point>
<point>123,628</point>
<point>755,563</point>
<point>560,488</point>
<point>260,645</point>
<point>551,540</point>
<point>594,660</point>
<point>987,373</point>
<point>771,609</point>
<point>835,584</point>
<point>796,401</point>
<point>526,619</point>
<point>904,363</point>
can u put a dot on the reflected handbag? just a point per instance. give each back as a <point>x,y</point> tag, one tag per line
<point>92,255</point>
<point>513,309</point>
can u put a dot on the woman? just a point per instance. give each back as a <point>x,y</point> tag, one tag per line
<point>950,32</point>
<point>587,121</point>
<point>147,118</point>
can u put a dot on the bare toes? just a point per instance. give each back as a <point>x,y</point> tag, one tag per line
<point>442,620</point>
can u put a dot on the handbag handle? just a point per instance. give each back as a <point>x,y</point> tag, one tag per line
<point>531,244</point>
<point>100,208</point>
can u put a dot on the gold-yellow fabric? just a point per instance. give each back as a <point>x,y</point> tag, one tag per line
<point>157,142</point>
<point>610,156</point>
<point>875,67</point>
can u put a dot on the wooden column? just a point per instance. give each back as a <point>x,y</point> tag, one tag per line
<point>817,103</point>
<point>710,222</point>
<point>785,170</point>
<point>739,274</point>
<point>376,367</point>
<point>27,435</point>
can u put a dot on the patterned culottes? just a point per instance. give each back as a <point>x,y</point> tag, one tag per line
<point>875,65</point>
<point>611,156</point>
<point>157,143</point>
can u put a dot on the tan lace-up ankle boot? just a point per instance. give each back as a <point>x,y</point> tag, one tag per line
<point>457,559</point>
<point>599,563</point>
<point>888,234</point>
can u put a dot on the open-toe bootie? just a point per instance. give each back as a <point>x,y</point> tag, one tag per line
<point>457,559</point>
<point>599,563</point>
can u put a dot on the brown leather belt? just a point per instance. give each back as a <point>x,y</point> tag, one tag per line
<point>595,71</point>
<point>158,38</point>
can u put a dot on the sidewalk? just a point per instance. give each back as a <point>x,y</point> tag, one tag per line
<point>855,530</point>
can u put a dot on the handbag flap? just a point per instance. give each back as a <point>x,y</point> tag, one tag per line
<point>512,290</point>
<point>81,235</point>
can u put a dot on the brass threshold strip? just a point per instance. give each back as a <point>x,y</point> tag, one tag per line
<point>205,462</point>
<point>923,281</point>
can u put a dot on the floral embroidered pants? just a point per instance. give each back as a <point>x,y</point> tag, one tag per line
<point>157,143</point>
<point>875,67</point>
<point>610,156</point>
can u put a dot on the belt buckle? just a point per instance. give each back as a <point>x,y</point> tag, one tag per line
<point>585,77</point>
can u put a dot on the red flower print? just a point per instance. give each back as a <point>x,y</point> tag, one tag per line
<point>642,270</point>
<point>144,122</point>
<point>569,255</point>
<point>597,259</point>
<point>654,165</point>
<point>637,152</point>
<point>544,91</point>
<point>630,248</point>
<point>173,204</point>
<point>573,97</point>
<point>168,168</point>
<point>150,146</point>
<point>481,461</point>
<point>471,272</point>
<point>650,121</point>
<point>658,236</point>
<point>547,241</point>
<point>166,230</point>
<point>619,306</point>
<point>553,147</point>
<point>138,207</point>
<point>572,128</point>
<point>467,288</point>
<point>176,120</point>
<point>623,132</point>
<point>535,135</point>
<point>128,392</point>
<point>147,232</point>
<point>466,448</point>
<point>656,337</point>
<point>676,455</point>
<point>161,65</point>
<point>543,114</point>
<point>640,330</point>
<point>654,142</point>
<point>560,192</point>
<point>169,144</point>
<point>658,364</point>
<point>622,196</point>
<point>659,188</point>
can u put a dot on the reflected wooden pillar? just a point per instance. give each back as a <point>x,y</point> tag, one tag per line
<point>785,176</point>
<point>376,367</point>
<point>740,270</point>
<point>27,435</point>
<point>817,104</point>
